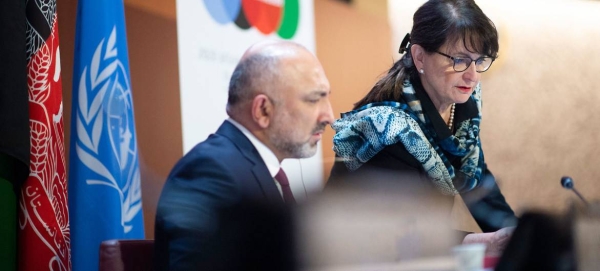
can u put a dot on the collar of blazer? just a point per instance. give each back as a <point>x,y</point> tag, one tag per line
<point>259,169</point>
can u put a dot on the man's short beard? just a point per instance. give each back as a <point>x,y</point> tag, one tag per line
<point>292,149</point>
<point>283,142</point>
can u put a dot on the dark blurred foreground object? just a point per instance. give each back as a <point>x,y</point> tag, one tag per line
<point>248,235</point>
<point>541,241</point>
<point>252,236</point>
<point>126,255</point>
<point>551,242</point>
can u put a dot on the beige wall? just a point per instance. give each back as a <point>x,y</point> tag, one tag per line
<point>353,47</point>
<point>540,103</point>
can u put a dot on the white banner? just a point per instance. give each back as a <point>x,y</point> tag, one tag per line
<point>212,36</point>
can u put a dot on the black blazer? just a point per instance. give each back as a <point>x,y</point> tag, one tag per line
<point>203,207</point>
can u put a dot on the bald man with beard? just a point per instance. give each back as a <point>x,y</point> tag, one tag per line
<point>212,213</point>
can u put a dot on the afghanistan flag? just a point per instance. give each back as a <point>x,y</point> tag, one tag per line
<point>44,242</point>
<point>105,200</point>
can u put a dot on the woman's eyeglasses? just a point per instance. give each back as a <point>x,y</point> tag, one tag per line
<point>461,64</point>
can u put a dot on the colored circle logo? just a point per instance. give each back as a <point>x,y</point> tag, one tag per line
<point>267,16</point>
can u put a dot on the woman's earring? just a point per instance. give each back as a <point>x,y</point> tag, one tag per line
<point>421,71</point>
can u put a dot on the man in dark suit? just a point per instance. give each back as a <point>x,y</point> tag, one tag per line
<point>215,198</point>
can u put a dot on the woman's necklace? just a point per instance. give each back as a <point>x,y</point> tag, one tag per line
<point>451,119</point>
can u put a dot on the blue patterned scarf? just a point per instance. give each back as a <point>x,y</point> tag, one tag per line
<point>362,133</point>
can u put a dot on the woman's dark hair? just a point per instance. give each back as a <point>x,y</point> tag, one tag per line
<point>436,23</point>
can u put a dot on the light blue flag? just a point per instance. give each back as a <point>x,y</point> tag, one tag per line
<point>105,200</point>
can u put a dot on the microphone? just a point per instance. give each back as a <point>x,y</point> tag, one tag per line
<point>567,183</point>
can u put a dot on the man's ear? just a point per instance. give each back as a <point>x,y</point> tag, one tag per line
<point>262,110</point>
<point>418,53</point>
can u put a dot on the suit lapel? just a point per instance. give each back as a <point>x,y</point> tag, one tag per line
<point>259,169</point>
<point>266,182</point>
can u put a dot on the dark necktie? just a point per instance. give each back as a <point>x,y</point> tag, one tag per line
<point>282,179</point>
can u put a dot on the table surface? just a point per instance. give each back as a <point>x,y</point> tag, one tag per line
<point>423,264</point>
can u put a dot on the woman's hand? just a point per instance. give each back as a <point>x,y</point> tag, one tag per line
<point>495,241</point>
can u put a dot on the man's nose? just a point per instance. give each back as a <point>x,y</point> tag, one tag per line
<point>327,113</point>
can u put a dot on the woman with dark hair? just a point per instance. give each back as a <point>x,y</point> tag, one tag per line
<point>422,119</point>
